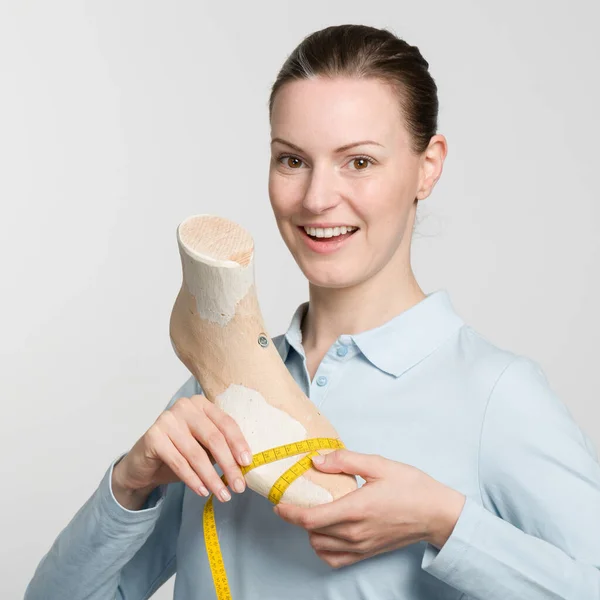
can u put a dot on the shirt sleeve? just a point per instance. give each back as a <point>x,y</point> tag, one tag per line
<point>109,551</point>
<point>536,532</point>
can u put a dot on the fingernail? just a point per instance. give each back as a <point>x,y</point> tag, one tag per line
<point>238,485</point>
<point>203,490</point>
<point>318,460</point>
<point>225,495</point>
<point>246,458</point>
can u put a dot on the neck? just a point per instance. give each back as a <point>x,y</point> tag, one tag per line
<point>350,310</point>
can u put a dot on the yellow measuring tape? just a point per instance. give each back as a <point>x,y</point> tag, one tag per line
<point>213,549</point>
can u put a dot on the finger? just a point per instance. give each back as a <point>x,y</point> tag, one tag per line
<point>328,543</point>
<point>368,466</point>
<point>206,432</point>
<point>238,445</point>
<point>337,530</point>
<point>168,453</point>
<point>196,456</point>
<point>321,542</point>
<point>336,560</point>
<point>342,510</point>
<point>192,411</point>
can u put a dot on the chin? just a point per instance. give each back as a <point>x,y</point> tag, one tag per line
<point>320,278</point>
<point>329,284</point>
<point>321,274</point>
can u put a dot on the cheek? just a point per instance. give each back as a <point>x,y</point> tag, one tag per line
<point>371,203</point>
<point>283,194</point>
<point>389,202</point>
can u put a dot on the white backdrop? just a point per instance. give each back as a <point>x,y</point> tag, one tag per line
<point>120,119</point>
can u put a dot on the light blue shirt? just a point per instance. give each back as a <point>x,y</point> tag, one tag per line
<point>424,389</point>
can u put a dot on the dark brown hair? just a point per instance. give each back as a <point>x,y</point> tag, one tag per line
<point>363,51</point>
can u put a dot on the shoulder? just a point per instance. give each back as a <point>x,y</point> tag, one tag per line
<point>530,444</point>
<point>512,392</point>
<point>524,397</point>
<point>536,464</point>
<point>519,398</point>
<point>524,389</point>
<point>525,409</point>
<point>472,363</point>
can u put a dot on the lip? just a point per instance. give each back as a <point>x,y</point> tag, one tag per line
<point>326,225</point>
<point>325,247</point>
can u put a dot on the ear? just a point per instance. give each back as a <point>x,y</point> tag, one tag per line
<point>431,166</point>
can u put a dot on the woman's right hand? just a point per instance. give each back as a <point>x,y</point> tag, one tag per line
<point>183,444</point>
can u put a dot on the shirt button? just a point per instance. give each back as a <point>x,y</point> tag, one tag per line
<point>342,351</point>
<point>322,380</point>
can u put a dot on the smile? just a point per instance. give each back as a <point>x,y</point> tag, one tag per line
<point>329,241</point>
<point>327,232</point>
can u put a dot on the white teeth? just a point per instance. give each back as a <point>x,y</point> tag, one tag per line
<point>328,232</point>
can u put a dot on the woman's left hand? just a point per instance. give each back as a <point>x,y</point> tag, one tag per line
<point>397,506</point>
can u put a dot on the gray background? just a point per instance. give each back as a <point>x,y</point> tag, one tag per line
<point>120,119</point>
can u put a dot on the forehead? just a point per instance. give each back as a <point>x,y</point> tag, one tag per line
<point>336,111</point>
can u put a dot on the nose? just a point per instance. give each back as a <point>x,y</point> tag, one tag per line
<point>321,194</point>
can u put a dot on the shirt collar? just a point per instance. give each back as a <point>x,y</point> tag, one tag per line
<point>398,344</point>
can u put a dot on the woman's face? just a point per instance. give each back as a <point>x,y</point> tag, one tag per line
<point>372,186</point>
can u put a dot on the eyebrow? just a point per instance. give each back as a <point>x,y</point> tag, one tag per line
<point>337,150</point>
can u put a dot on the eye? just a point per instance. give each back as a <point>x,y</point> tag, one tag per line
<point>290,160</point>
<point>364,161</point>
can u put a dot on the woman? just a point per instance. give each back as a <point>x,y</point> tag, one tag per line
<point>477,482</point>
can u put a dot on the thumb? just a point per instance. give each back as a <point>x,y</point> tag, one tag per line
<point>368,466</point>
